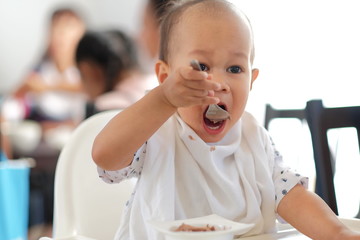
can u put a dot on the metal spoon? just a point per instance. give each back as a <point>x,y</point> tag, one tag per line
<point>214,112</point>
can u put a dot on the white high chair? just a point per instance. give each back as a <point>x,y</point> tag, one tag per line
<point>84,205</point>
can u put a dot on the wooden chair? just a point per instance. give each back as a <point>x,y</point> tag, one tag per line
<point>320,120</point>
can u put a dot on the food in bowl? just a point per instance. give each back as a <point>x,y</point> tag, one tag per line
<point>190,228</point>
<point>224,229</point>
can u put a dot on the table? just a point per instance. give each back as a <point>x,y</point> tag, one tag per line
<point>41,183</point>
<point>289,233</point>
<point>286,232</point>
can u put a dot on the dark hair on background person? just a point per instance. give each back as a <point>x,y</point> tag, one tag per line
<point>113,50</point>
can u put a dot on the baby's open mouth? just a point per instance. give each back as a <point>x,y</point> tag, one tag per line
<point>215,119</point>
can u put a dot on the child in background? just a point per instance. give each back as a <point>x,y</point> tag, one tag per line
<point>48,104</point>
<point>189,165</point>
<point>110,71</point>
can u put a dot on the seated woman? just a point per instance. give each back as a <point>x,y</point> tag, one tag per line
<point>50,90</point>
<point>110,71</point>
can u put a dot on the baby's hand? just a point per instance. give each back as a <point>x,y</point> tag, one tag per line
<point>186,87</point>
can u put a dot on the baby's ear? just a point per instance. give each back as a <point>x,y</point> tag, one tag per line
<point>162,70</point>
<point>254,75</point>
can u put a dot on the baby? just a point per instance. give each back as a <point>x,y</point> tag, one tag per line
<point>190,166</point>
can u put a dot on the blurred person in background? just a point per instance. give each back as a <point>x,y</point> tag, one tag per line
<point>114,73</point>
<point>42,112</point>
<point>51,89</point>
<point>110,71</point>
<point>149,33</point>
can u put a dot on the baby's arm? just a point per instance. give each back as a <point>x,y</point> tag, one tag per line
<point>116,144</point>
<point>308,213</point>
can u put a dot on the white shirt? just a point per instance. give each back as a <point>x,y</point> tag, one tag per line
<point>125,93</point>
<point>56,104</point>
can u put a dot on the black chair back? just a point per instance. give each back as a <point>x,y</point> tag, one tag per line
<point>272,113</point>
<point>320,120</point>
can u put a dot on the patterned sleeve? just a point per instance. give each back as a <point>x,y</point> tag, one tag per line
<point>284,177</point>
<point>133,170</point>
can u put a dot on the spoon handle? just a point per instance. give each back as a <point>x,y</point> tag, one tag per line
<point>214,112</point>
<point>195,64</point>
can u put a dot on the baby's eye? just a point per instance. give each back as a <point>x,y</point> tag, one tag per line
<point>234,69</point>
<point>203,67</point>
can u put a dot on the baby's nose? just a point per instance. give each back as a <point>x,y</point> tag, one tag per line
<point>224,87</point>
<point>220,77</point>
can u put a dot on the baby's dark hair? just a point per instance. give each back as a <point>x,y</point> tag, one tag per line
<point>159,7</point>
<point>113,50</point>
<point>174,13</point>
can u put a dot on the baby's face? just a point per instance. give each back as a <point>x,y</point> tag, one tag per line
<point>222,45</point>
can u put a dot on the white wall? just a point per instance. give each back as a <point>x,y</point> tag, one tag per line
<point>305,49</point>
<point>23,25</point>
<point>308,49</point>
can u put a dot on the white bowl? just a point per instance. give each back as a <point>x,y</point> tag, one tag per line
<point>224,228</point>
<point>24,136</point>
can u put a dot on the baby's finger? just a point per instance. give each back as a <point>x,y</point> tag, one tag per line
<point>209,100</point>
<point>211,93</point>
<point>191,101</point>
<point>199,93</point>
<point>191,74</point>
<point>202,84</point>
